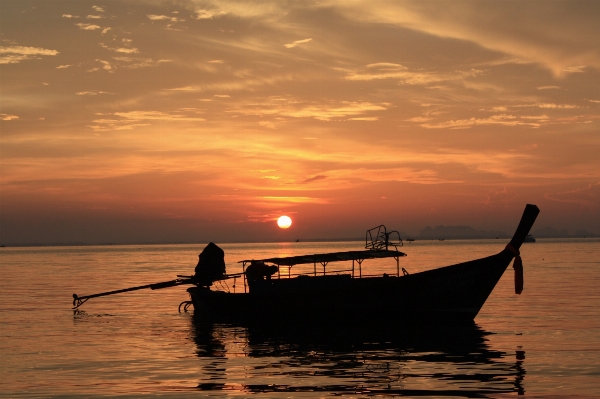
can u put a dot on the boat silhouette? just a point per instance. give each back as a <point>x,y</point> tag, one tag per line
<point>452,293</point>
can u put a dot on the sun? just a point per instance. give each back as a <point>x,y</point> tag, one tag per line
<point>284,222</point>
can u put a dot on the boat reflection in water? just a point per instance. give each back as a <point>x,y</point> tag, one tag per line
<point>449,360</point>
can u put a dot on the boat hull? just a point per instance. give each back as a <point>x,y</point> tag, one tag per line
<point>451,293</point>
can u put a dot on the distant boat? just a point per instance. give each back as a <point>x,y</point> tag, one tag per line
<point>410,239</point>
<point>451,293</point>
<point>529,238</point>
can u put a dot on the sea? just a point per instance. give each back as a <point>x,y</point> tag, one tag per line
<point>544,343</point>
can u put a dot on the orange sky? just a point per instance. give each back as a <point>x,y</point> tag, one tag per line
<point>167,121</point>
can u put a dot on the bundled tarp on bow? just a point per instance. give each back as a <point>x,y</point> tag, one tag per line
<point>211,265</point>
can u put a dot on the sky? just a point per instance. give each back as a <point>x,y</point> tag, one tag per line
<point>194,121</point>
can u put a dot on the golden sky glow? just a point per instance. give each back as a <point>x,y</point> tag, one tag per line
<point>136,121</point>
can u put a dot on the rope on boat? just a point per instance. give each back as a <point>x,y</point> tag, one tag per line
<point>185,304</point>
<point>77,302</point>
<point>518,266</point>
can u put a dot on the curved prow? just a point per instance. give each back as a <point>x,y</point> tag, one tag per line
<point>527,220</point>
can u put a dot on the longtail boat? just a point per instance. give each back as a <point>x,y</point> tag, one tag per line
<point>452,293</point>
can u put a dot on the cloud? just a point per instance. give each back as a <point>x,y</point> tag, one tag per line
<point>69,16</point>
<point>386,70</point>
<point>418,119</point>
<point>106,65</point>
<point>575,69</point>
<point>91,93</point>
<point>208,14</point>
<point>133,119</point>
<point>136,62</point>
<point>548,87</point>
<point>503,119</point>
<point>379,173</point>
<point>124,50</point>
<point>295,200</point>
<point>325,112</point>
<point>267,124</point>
<point>155,115</point>
<point>557,36</point>
<point>94,17</point>
<point>98,8</point>
<point>83,26</point>
<point>557,106</point>
<point>16,54</point>
<point>8,117</point>
<point>365,118</point>
<point>297,42</point>
<point>499,196</point>
<point>63,66</point>
<point>313,179</point>
<point>588,196</point>
<point>154,17</point>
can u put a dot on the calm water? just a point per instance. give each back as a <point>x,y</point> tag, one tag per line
<point>545,342</point>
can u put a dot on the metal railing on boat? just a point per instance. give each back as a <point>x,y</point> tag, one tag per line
<point>357,258</point>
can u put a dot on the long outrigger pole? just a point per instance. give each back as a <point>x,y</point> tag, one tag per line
<point>80,300</point>
<point>182,280</point>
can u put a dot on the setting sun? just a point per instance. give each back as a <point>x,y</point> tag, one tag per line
<point>284,222</point>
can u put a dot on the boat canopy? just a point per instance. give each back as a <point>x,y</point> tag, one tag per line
<point>328,257</point>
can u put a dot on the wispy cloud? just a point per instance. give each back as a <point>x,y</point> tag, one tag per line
<point>556,106</point>
<point>267,124</point>
<point>91,93</point>
<point>124,50</point>
<point>285,199</point>
<point>313,179</point>
<point>297,42</point>
<point>137,62</point>
<point>16,54</point>
<point>575,69</point>
<point>83,26</point>
<point>154,17</point>
<point>208,14</point>
<point>552,38</point>
<point>588,196</point>
<point>386,70</point>
<point>504,119</point>
<point>8,117</point>
<point>133,119</point>
<point>325,112</point>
